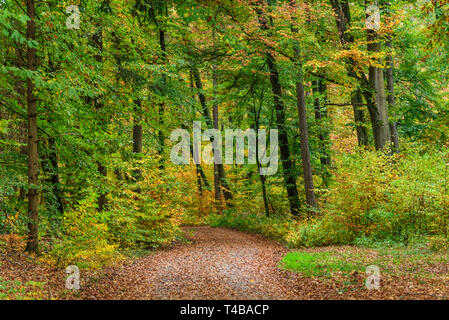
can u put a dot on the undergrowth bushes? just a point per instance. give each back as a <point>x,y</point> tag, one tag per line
<point>139,215</point>
<point>373,198</point>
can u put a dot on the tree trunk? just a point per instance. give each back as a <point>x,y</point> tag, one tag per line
<point>304,137</point>
<point>391,99</point>
<point>33,156</point>
<point>54,176</point>
<point>97,40</point>
<point>303,126</point>
<point>373,88</point>
<point>359,117</point>
<point>137,138</point>
<point>319,89</point>
<point>206,113</point>
<point>261,177</point>
<point>286,160</point>
<point>377,103</point>
<point>216,165</point>
<point>161,136</point>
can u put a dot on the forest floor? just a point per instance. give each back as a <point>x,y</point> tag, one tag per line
<point>218,263</point>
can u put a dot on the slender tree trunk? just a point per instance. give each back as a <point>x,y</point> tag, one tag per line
<point>391,99</point>
<point>200,188</point>
<point>54,176</point>
<point>359,117</point>
<point>137,138</point>
<point>261,177</point>
<point>33,156</point>
<point>319,89</point>
<point>304,137</point>
<point>206,113</point>
<point>161,136</point>
<point>303,126</point>
<point>321,117</point>
<point>97,40</point>
<point>286,159</point>
<point>373,89</point>
<point>216,165</point>
<point>199,169</point>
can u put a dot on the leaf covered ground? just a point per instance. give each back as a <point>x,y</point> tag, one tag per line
<point>218,263</point>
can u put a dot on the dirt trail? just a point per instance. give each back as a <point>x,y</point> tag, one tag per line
<point>217,264</point>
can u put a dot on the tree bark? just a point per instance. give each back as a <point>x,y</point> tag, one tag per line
<point>137,138</point>
<point>217,177</point>
<point>54,176</point>
<point>206,113</point>
<point>262,177</point>
<point>303,126</point>
<point>97,40</point>
<point>304,137</point>
<point>359,117</point>
<point>377,106</point>
<point>161,136</point>
<point>33,155</point>
<point>286,159</point>
<point>319,88</point>
<point>372,88</point>
<point>391,99</point>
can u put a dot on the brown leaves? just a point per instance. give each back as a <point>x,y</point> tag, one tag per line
<point>226,264</point>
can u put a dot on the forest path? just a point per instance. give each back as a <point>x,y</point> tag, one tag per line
<point>218,263</point>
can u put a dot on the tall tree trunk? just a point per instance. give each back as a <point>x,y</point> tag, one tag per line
<point>199,169</point>
<point>97,40</point>
<point>373,88</point>
<point>54,175</point>
<point>161,136</point>
<point>262,177</point>
<point>206,113</point>
<point>33,156</point>
<point>391,99</point>
<point>303,126</point>
<point>377,106</point>
<point>137,137</point>
<point>286,159</point>
<point>216,165</point>
<point>319,89</point>
<point>304,137</point>
<point>359,117</point>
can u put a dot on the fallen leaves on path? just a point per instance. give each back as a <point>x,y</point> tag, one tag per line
<point>218,263</point>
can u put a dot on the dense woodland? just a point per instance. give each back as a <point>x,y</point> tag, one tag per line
<point>359,96</point>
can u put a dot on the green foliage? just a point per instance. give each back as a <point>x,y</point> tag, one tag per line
<point>274,227</point>
<point>382,198</point>
<point>140,215</point>
<point>373,199</point>
<point>16,290</point>
<point>84,241</point>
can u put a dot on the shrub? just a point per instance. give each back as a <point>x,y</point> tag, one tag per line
<point>374,198</point>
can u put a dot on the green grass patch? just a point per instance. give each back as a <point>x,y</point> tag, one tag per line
<point>31,290</point>
<point>316,264</point>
